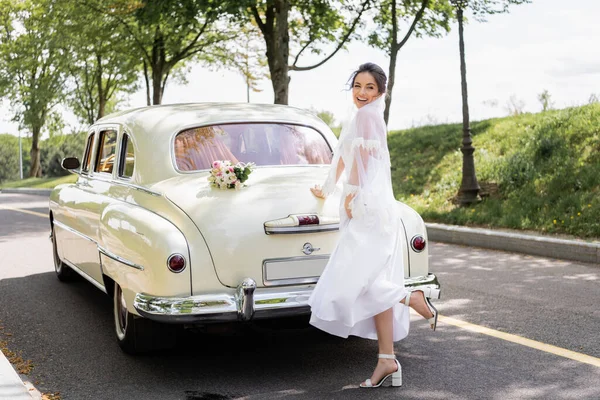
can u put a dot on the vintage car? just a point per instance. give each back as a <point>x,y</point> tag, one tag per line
<point>144,224</point>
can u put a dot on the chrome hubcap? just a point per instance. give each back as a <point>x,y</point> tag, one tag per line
<point>121,313</point>
<point>57,262</point>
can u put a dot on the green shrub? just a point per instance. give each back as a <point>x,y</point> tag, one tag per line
<point>546,168</point>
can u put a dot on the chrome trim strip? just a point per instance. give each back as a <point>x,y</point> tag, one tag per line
<point>84,275</point>
<point>245,304</point>
<point>119,259</point>
<point>104,178</point>
<point>307,280</point>
<point>137,187</point>
<point>301,229</point>
<point>63,226</point>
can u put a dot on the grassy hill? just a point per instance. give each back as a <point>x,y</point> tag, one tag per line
<point>542,171</point>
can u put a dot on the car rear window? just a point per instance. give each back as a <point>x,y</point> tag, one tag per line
<point>260,143</point>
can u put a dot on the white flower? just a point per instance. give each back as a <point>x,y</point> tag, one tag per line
<point>238,185</point>
<point>223,186</point>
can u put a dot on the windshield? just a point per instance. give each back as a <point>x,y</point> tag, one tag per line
<point>260,143</point>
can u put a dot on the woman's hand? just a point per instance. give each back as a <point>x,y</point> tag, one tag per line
<point>317,191</point>
<point>347,207</point>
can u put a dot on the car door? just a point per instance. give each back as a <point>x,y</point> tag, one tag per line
<point>70,218</point>
<point>93,199</point>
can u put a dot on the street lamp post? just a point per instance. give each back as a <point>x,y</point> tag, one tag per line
<point>20,156</point>
<point>469,187</point>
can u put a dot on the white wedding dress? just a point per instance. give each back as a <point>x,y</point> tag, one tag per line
<point>365,273</point>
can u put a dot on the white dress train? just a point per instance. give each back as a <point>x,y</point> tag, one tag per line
<point>365,273</point>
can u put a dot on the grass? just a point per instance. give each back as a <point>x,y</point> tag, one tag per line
<point>39,183</point>
<point>543,171</point>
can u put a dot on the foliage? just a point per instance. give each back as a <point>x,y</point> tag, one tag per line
<point>58,147</point>
<point>515,106</point>
<point>291,28</point>
<point>248,57</point>
<point>435,20</point>
<point>167,33</point>
<point>421,17</point>
<point>104,61</point>
<point>32,63</point>
<point>546,100</point>
<point>9,157</point>
<point>481,8</point>
<point>52,150</point>
<point>540,170</point>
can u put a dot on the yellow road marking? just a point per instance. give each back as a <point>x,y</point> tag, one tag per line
<point>548,348</point>
<point>24,211</point>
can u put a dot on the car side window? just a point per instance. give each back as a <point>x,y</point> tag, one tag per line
<point>87,158</point>
<point>127,157</point>
<point>107,147</point>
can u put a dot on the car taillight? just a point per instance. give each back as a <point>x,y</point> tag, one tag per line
<point>418,243</point>
<point>176,263</point>
<point>308,220</point>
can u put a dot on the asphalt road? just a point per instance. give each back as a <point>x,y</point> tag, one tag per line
<point>66,331</point>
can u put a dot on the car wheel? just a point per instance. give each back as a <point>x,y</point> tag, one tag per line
<point>63,272</point>
<point>136,334</point>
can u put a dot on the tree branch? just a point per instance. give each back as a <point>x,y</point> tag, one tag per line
<point>258,19</point>
<point>418,16</point>
<point>293,67</point>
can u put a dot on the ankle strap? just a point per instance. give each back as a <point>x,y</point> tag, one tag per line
<point>390,356</point>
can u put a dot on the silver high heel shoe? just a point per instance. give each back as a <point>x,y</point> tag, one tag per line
<point>433,320</point>
<point>396,376</point>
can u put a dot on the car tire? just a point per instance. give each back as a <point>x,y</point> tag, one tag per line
<point>63,272</point>
<point>136,334</point>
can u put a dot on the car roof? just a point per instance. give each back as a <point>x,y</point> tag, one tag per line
<point>174,117</point>
<point>153,128</point>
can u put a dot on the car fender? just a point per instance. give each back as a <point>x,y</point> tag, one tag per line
<point>134,245</point>
<point>413,226</point>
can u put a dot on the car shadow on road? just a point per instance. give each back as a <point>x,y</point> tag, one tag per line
<point>67,332</point>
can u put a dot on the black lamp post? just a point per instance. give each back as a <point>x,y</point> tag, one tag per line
<point>469,187</point>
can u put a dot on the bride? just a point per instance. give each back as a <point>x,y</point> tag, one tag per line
<point>361,291</point>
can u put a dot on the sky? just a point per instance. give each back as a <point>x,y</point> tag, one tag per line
<point>547,45</point>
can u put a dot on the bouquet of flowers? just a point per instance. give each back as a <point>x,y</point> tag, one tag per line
<point>225,175</point>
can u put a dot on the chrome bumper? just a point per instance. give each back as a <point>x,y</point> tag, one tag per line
<point>246,303</point>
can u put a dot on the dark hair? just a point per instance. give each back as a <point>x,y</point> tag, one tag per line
<point>374,70</point>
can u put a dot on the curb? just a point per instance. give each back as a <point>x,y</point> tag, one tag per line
<point>41,192</point>
<point>12,386</point>
<point>564,249</point>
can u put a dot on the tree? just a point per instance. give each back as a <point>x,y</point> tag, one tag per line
<point>427,16</point>
<point>34,61</point>
<point>469,188</point>
<point>546,100</point>
<point>302,26</point>
<point>104,61</point>
<point>167,33</point>
<point>247,58</point>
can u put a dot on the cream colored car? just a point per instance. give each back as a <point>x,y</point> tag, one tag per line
<point>143,224</point>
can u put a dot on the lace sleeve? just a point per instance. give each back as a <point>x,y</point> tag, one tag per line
<point>367,156</point>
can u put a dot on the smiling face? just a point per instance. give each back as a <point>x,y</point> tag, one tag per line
<point>364,89</point>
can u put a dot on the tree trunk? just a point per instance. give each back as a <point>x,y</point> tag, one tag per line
<point>147,80</point>
<point>469,188</point>
<point>36,169</point>
<point>158,67</point>
<point>157,82</point>
<point>101,92</point>
<point>390,85</point>
<point>278,50</point>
